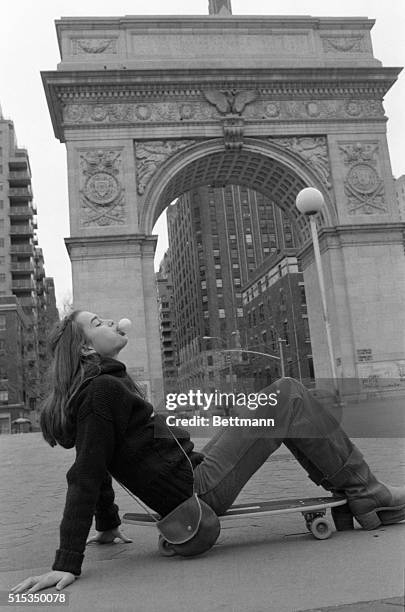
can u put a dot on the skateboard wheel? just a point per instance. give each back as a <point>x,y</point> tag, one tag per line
<point>165,548</point>
<point>321,529</point>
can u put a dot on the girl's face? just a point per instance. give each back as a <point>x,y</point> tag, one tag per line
<point>101,334</point>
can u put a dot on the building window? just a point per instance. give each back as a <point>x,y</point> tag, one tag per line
<point>261,312</point>
<point>307,334</point>
<point>210,360</point>
<point>219,282</point>
<point>311,367</point>
<point>2,322</point>
<point>221,313</point>
<point>239,312</point>
<point>285,333</point>
<point>3,396</point>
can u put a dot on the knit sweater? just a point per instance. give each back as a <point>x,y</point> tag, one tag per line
<point>117,434</point>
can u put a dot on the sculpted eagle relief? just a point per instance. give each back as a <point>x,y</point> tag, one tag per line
<point>230,101</point>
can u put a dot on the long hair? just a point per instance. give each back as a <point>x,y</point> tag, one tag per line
<point>72,365</point>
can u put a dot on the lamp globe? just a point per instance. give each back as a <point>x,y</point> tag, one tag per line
<point>309,201</point>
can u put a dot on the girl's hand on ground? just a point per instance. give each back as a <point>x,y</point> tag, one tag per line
<point>36,583</point>
<point>108,537</point>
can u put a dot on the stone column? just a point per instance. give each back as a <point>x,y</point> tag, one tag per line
<point>113,276</point>
<point>366,300</point>
<point>364,264</point>
<point>112,263</point>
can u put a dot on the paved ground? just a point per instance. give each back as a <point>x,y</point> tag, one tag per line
<point>257,565</point>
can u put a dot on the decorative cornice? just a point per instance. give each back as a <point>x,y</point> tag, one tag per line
<point>104,245</point>
<point>262,22</point>
<point>157,92</point>
<point>121,88</point>
<point>148,84</point>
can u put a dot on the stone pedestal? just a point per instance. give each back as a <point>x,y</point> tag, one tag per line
<point>113,276</point>
<point>364,269</point>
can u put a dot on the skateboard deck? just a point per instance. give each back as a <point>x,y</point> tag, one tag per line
<point>313,510</point>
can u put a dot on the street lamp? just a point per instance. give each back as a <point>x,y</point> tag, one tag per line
<point>309,202</point>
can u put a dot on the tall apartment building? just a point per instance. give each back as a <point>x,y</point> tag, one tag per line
<point>275,310</point>
<point>167,326</point>
<point>400,192</point>
<point>217,239</point>
<point>27,299</point>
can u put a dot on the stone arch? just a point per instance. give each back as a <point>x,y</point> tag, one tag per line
<point>262,166</point>
<point>303,98</point>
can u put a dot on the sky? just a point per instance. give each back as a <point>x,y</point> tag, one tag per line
<point>28,45</point>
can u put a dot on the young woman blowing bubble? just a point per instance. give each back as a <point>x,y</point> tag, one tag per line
<point>96,407</point>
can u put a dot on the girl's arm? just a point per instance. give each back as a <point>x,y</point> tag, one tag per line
<point>106,512</point>
<point>95,443</point>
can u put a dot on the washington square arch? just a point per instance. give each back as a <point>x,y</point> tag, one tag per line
<point>150,107</point>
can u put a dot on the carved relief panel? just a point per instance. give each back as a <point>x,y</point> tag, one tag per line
<point>150,155</point>
<point>363,185</point>
<point>313,150</point>
<point>213,107</point>
<point>102,193</point>
<point>85,46</point>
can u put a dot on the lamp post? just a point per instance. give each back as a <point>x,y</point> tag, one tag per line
<point>309,202</point>
<point>280,348</point>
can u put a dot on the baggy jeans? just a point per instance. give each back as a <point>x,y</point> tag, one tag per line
<point>234,454</point>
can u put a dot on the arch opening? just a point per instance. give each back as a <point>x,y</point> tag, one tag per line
<point>277,180</point>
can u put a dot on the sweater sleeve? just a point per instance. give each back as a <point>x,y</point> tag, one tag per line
<point>95,442</point>
<point>106,512</point>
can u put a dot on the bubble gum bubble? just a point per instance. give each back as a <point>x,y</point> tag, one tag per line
<point>124,325</point>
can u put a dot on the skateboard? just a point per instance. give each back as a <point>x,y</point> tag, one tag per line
<point>313,510</point>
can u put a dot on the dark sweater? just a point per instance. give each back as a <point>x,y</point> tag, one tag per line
<point>118,435</point>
